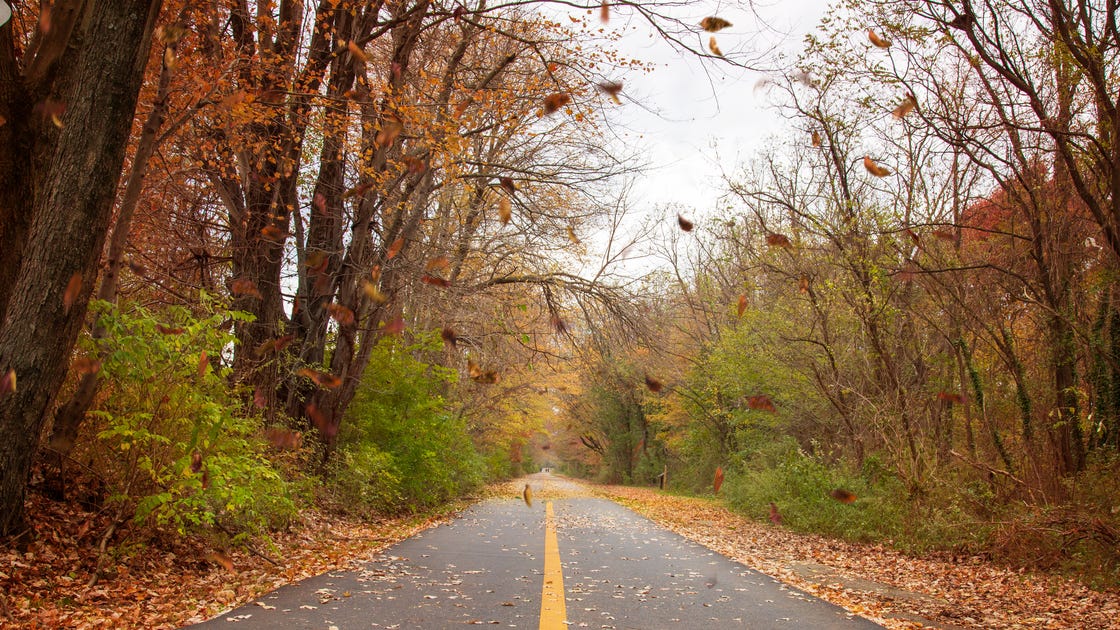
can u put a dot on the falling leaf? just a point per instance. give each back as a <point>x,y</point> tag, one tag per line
<point>714,24</point>
<point>742,306</point>
<point>774,239</point>
<point>653,384</point>
<point>761,403</point>
<point>322,379</point>
<point>85,365</point>
<point>951,397</point>
<point>391,129</point>
<point>572,236</point>
<point>449,336</point>
<point>718,480</point>
<point>394,249</point>
<point>803,284</point>
<point>505,210</point>
<point>316,262</point>
<point>714,47</point>
<point>244,286</point>
<point>527,494</point>
<point>479,375</point>
<point>357,190</point>
<point>72,289</point>
<point>435,281</point>
<point>553,102</point>
<point>507,184</point>
<point>816,139</point>
<point>775,515</point>
<point>196,462</point>
<point>685,224</point>
<point>357,52</point>
<point>273,233</point>
<point>218,557</point>
<point>275,345</point>
<point>875,169</point>
<point>842,495</point>
<point>373,293</point>
<point>879,42</point>
<point>611,89</point>
<point>170,330</point>
<point>203,363</point>
<point>8,382</point>
<point>394,326</point>
<point>415,165</point>
<point>341,314</point>
<point>437,263</point>
<point>908,105</point>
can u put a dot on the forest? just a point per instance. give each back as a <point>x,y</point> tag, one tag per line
<point>261,257</point>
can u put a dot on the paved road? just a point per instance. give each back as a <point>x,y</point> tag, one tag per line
<point>606,567</point>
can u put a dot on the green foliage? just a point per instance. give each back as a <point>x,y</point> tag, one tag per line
<point>400,447</point>
<point>177,450</point>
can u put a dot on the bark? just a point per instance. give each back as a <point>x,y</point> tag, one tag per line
<point>73,187</point>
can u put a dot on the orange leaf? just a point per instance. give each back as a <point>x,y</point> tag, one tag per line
<point>72,289</point>
<point>394,248</point>
<point>553,102</point>
<point>874,168</point>
<point>742,307</point>
<point>879,42</point>
<point>505,210</point>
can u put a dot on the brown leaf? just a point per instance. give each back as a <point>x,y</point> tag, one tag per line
<point>505,210</point>
<point>718,480</point>
<point>449,336</point>
<point>339,313</point>
<point>878,41</point>
<point>73,288</point>
<point>394,249</point>
<point>874,168</point>
<point>435,281</point>
<point>742,306</point>
<point>218,557</point>
<point>714,24</point>
<point>714,47</point>
<point>843,496</point>
<point>685,224</point>
<point>774,239</point>
<point>244,286</point>
<point>909,104</point>
<point>553,102</point>
<point>653,384</point>
<point>612,89</point>
<point>761,403</point>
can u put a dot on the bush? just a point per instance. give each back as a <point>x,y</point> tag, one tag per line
<point>400,447</point>
<point>175,449</point>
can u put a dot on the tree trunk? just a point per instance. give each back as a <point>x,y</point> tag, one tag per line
<point>73,187</point>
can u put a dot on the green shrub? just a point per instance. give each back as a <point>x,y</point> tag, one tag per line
<point>400,446</point>
<point>176,450</point>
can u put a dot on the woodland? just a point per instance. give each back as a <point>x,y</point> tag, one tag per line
<point>260,258</point>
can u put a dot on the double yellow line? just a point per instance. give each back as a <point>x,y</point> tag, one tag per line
<point>553,611</point>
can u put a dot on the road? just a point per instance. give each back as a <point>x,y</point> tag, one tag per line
<point>568,561</point>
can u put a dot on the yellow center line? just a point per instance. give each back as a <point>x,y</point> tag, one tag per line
<point>553,612</point>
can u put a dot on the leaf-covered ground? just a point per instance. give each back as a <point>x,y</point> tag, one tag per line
<point>171,582</point>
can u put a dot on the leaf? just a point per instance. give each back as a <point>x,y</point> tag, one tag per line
<point>394,326</point>
<point>843,496</point>
<point>873,168</point>
<point>685,224</point>
<point>553,102</point>
<point>742,306</point>
<point>218,557</point>
<point>435,281</point>
<point>761,403</point>
<point>449,337</point>
<point>8,382</point>
<point>879,42</point>
<point>505,210</point>
<point>527,494</point>
<point>611,89</point>
<point>653,384</point>
<point>774,239</point>
<point>203,362</point>
<point>357,52</point>
<point>816,139</point>
<point>507,184</point>
<point>718,480</point>
<point>714,47</point>
<point>341,314</point>
<point>244,286</point>
<point>322,379</point>
<point>73,288</point>
<point>394,248</point>
<point>909,104</point>
<point>714,24</point>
